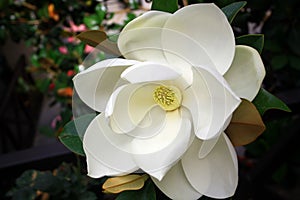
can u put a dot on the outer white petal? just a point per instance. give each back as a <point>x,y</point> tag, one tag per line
<point>216,175</point>
<point>176,186</point>
<point>246,73</point>
<point>141,38</point>
<point>210,101</point>
<point>95,85</point>
<point>208,145</point>
<point>97,169</point>
<point>178,131</point>
<point>209,27</point>
<point>128,106</point>
<point>99,150</point>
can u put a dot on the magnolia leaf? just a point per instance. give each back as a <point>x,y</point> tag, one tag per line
<point>121,183</point>
<point>265,101</point>
<point>92,37</point>
<point>253,40</point>
<point>167,6</point>
<point>146,193</point>
<point>70,136</point>
<point>246,124</point>
<point>231,10</point>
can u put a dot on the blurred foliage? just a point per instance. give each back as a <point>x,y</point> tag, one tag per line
<point>50,27</point>
<point>65,182</point>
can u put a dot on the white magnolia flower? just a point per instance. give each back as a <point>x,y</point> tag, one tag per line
<point>165,107</point>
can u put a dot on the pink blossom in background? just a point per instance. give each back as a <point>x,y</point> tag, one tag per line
<point>74,28</point>
<point>88,49</point>
<point>55,120</point>
<point>63,49</point>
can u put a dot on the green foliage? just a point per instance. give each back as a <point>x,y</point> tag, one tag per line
<point>146,193</point>
<point>72,132</point>
<point>231,10</point>
<point>265,101</point>
<point>254,40</point>
<point>167,6</point>
<point>63,183</point>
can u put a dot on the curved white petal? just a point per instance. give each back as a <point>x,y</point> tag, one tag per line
<point>176,186</point>
<point>128,106</point>
<point>149,71</point>
<point>216,175</point>
<point>210,101</point>
<point>99,150</point>
<point>141,38</point>
<point>210,28</point>
<point>96,169</point>
<point>246,73</point>
<point>208,145</point>
<point>158,163</point>
<point>158,134</point>
<point>95,85</point>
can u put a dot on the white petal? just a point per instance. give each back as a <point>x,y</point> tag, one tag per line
<point>100,150</point>
<point>133,45</point>
<point>176,186</point>
<point>128,106</point>
<point>141,38</point>
<point>159,134</point>
<point>216,175</point>
<point>210,101</point>
<point>159,162</point>
<point>95,85</point>
<point>208,145</point>
<point>149,71</point>
<point>246,73</point>
<point>210,28</point>
<point>96,169</point>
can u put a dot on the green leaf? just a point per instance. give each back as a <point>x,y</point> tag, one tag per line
<point>92,21</point>
<point>279,62</point>
<point>165,5</point>
<point>146,193</point>
<point>265,101</point>
<point>70,136</point>
<point>100,11</point>
<point>253,40</point>
<point>231,10</point>
<point>92,37</point>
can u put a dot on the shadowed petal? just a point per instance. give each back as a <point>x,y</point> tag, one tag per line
<point>246,73</point>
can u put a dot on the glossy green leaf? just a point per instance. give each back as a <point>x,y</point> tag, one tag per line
<point>100,11</point>
<point>92,37</point>
<point>92,21</point>
<point>146,193</point>
<point>265,101</point>
<point>165,5</point>
<point>231,10</point>
<point>253,40</point>
<point>70,136</point>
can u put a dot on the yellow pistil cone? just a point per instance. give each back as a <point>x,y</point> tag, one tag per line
<point>169,98</point>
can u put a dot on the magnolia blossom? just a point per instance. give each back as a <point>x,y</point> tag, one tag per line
<point>164,108</point>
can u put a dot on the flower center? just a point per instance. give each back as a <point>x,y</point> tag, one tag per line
<point>169,98</point>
